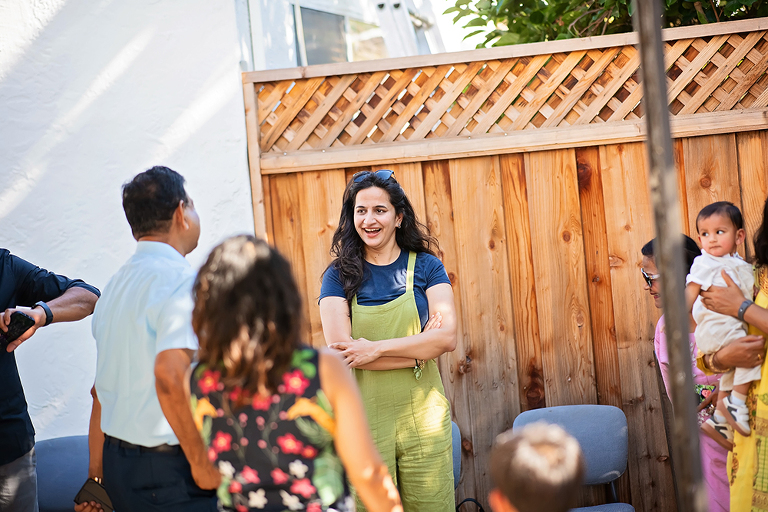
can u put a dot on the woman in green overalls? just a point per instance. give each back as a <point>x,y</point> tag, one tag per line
<point>386,305</point>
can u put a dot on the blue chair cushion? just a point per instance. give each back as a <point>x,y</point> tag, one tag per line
<point>601,430</point>
<point>62,468</point>
<point>456,442</point>
<point>610,507</point>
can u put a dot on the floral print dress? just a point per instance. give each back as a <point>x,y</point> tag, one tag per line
<point>275,453</point>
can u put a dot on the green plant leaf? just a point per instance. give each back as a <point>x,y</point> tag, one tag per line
<point>477,22</point>
<point>327,477</point>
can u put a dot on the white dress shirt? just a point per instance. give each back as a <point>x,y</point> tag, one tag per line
<point>145,308</point>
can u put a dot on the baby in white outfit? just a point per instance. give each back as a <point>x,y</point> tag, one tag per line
<point>721,230</point>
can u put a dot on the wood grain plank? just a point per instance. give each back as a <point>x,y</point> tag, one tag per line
<point>287,228</point>
<point>454,366</point>
<point>411,179</point>
<point>561,282</point>
<point>320,194</point>
<point>604,341</point>
<point>525,315</point>
<point>598,277</point>
<point>270,230</point>
<point>254,160</point>
<point>752,149</point>
<point>711,174</point>
<point>487,308</point>
<point>629,225</point>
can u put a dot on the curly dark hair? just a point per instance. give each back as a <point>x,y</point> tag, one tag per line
<point>248,314</point>
<point>348,248</point>
<point>690,251</point>
<point>761,240</point>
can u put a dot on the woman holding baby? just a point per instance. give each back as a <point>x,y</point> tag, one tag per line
<point>748,466</point>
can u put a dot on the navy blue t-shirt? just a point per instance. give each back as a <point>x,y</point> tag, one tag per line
<point>385,283</point>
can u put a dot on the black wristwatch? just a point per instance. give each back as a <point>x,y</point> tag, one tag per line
<point>48,313</point>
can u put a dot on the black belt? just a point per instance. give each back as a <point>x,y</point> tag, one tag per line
<point>163,448</point>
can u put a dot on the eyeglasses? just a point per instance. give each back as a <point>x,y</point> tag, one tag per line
<point>649,278</point>
<point>383,174</point>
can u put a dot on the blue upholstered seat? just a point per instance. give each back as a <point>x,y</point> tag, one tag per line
<point>62,468</point>
<point>601,430</point>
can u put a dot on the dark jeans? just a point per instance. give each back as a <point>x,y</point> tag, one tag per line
<point>139,480</point>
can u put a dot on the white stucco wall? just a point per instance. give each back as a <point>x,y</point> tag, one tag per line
<point>91,93</point>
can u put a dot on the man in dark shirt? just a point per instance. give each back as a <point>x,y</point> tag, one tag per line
<point>53,298</point>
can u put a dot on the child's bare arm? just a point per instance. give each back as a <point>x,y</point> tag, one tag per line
<point>691,292</point>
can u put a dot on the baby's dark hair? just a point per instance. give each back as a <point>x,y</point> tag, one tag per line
<point>724,209</point>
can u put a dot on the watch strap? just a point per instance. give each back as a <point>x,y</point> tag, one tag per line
<point>48,312</point>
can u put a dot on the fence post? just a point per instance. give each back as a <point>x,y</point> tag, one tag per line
<point>669,254</point>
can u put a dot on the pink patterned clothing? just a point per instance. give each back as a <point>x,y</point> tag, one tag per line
<point>713,456</point>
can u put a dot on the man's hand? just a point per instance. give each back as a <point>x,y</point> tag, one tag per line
<point>88,506</point>
<point>206,476</point>
<point>37,314</point>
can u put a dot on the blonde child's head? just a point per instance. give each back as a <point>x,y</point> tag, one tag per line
<point>721,228</point>
<point>539,467</point>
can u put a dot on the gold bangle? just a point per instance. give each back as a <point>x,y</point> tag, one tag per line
<point>713,367</point>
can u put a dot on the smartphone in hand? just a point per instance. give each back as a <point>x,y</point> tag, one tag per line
<point>20,323</point>
<point>94,491</point>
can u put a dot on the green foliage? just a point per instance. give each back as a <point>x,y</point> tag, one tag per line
<point>507,22</point>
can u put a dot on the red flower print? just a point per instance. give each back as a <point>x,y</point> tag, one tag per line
<point>314,507</point>
<point>209,381</point>
<point>243,508</point>
<point>303,487</point>
<point>222,442</point>
<point>261,402</point>
<point>235,394</point>
<point>309,452</point>
<point>290,444</point>
<point>262,444</point>
<point>235,487</point>
<point>295,382</point>
<point>250,475</point>
<point>244,442</point>
<point>212,454</point>
<point>278,476</point>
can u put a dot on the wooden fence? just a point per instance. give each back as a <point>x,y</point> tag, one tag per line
<point>527,163</point>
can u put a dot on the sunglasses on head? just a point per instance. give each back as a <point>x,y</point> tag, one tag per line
<point>649,278</point>
<point>382,174</point>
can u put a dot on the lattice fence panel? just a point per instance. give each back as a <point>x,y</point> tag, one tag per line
<point>597,86</point>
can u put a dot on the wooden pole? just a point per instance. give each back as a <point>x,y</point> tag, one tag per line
<point>668,254</point>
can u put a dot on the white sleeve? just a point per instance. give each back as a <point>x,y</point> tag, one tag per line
<point>174,323</point>
<point>702,272</point>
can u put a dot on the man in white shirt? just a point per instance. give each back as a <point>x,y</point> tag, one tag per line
<point>153,456</point>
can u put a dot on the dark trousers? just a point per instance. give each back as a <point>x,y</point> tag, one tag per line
<point>141,480</point>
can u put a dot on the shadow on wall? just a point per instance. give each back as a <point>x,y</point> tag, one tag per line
<point>90,94</point>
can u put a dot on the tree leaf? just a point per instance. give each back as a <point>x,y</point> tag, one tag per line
<point>477,22</point>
